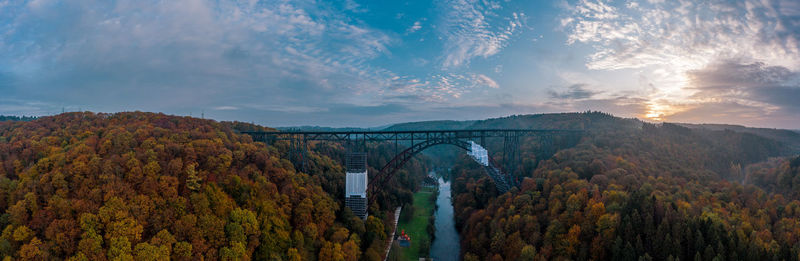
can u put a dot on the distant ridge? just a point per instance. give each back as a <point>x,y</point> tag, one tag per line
<point>17,118</point>
<point>567,120</point>
<point>789,137</point>
<point>320,128</point>
<point>431,125</point>
<point>592,120</point>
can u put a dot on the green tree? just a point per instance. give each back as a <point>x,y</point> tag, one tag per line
<point>528,253</point>
<point>182,251</point>
<point>148,252</point>
<point>193,181</point>
<point>119,249</point>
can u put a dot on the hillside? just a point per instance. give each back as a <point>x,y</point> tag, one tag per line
<point>575,121</point>
<point>430,125</point>
<point>652,192</point>
<point>593,121</point>
<point>789,137</point>
<point>725,146</point>
<point>146,186</point>
<point>87,186</point>
<point>318,128</point>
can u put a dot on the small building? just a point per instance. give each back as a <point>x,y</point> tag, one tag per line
<point>356,183</point>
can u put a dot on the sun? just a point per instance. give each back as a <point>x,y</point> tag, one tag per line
<point>654,113</point>
<point>671,93</point>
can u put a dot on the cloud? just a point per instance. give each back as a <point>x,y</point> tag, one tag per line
<point>577,97</point>
<point>731,73</point>
<point>735,113</point>
<point>441,87</point>
<point>475,28</point>
<point>766,89</point>
<point>619,105</point>
<point>681,50</point>
<point>353,6</point>
<point>785,97</point>
<point>416,26</point>
<point>573,92</point>
<point>191,55</point>
<point>28,107</point>
<point>485,80</point>
<point>157,55</point>
<point>226,108</point>
<point>673,32</point>
<point>374,110</point>
<point>733,91</point>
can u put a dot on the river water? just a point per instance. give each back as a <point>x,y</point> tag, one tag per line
<point>445,246</point>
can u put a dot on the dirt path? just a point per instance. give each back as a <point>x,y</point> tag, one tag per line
<point>391,238</point>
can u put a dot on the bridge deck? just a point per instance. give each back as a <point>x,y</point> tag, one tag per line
<point>402,135</point>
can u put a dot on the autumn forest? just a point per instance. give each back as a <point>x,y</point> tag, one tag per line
<point>150,186</point>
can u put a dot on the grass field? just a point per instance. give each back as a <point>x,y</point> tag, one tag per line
<point>416,227</point>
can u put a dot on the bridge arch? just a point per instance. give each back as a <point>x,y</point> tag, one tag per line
<point>502,181</point>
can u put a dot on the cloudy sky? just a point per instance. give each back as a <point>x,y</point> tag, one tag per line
<point>369,63</point>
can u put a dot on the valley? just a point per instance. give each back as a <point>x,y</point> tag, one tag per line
<point>139,185</point>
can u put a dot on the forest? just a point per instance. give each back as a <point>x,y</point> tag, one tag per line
<point>635,191</point>
<point>148,186</point>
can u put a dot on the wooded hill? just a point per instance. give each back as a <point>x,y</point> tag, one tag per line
<point>136,186</point>
<point>147,186</point>
<point>635,191</point>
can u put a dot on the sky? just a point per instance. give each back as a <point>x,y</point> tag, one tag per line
<point>371,63</point>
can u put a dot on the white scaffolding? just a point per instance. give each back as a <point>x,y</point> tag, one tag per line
<point>479,153</point>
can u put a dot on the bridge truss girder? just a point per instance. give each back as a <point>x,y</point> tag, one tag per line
<point>419,141</point>
<point>374,136</point>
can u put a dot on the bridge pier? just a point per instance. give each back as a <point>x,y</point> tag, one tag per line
<point>511,155</point>
<point>356,183</point>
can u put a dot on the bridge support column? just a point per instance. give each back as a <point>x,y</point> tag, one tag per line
<point>511,155</point>
<point>298,152</point>
<point>356,183</point>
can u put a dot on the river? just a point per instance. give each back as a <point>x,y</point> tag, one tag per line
<point>445,246</point>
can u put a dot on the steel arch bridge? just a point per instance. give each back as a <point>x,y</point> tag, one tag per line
<point>420,140</point>
<point>502,181</point>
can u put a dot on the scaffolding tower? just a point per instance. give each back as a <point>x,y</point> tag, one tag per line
<point>356,183</point>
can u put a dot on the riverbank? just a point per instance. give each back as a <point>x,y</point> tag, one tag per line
<point>415,220</point>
